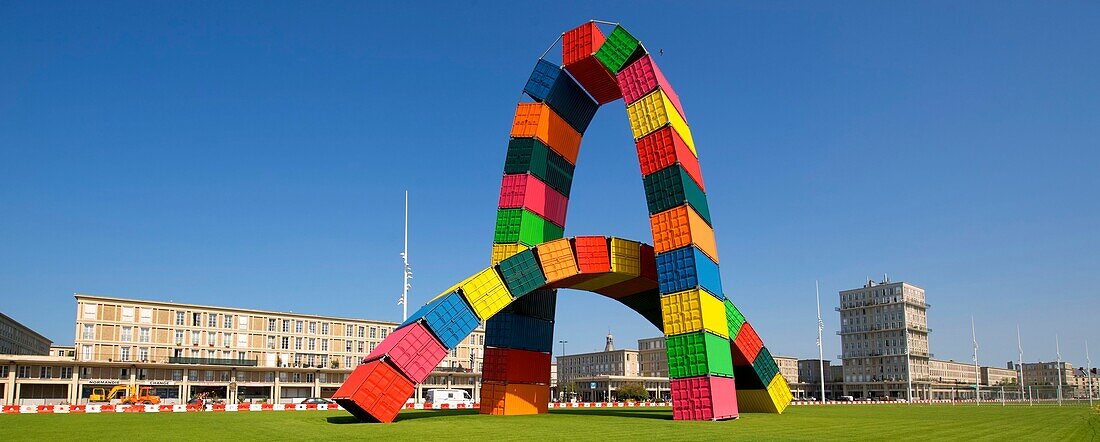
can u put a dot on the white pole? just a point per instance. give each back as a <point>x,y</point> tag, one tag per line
<point>977,375</point>
<point>908,359</point>
<point>1058,349</point>
<point>1088,370</point>
<point>408,271</point>
<point>1020,347</point>
<point>820,350</point>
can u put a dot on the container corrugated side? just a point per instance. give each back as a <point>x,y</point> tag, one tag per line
<point>671,187</point>
<point>655,111</point>
<point>698,354</point>
<point>734,318</point>
<point>693,310</point>
<point>570,101</point>
<point>539,304</point>
<point>746,345</point>
<point>448,318</point>
<point>511,330</point>
<point>529,155</point>
<point>486,293</point>
<point>664,148</point>
<point>704,398</point>
<point>579,46</point>
<point>541,80</point>
<point>411,349</point>
<point>515,365</point>
<point>539,121</point>
<point>681,226</point>
<point>521,273</point>
<point>557,259</point>
<point>502,251</point>
<point>593,255</point>
<point>619,50</point>
<point>374,392</point>
<point>642,77</point>
<point>687,268</point>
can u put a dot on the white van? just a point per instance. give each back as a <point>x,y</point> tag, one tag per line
<point>449,396</point>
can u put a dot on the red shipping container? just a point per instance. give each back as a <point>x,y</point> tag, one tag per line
<point>649,262</point>
<point>578,49</point>
<point>374,392</point>
<point>642,77</point>
<point>527,191</point>
<point>513,365</point>
<point>664,148</point>
<point>593,255</point>
<point>703,398</point>
<point>746,346</point>
<point>412,349</point>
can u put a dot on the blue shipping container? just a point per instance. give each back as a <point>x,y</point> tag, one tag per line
<point>513,330</point>
<point>448,317</point>
<point>555,87</point>
<point>687,268</point>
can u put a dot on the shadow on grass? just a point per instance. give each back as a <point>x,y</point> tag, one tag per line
<point>617,412</point>
<point>403,416</point>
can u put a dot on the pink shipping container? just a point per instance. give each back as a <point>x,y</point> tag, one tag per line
<point>641,78</point>
<point>412,349</point>
<point>527,191</point>
<point>704,398</point>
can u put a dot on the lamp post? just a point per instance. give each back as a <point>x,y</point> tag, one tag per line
<point>820,350</point>
<point>1088,371</point>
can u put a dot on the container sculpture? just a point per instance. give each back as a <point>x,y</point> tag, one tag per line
<point>718,364</point>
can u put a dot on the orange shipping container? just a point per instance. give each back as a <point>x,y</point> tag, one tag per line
<point>557,259</point>
<point>514,399</point>
<point>679,227</point>
<point>539,121</point>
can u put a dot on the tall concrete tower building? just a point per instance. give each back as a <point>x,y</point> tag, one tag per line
<point>884,340</point>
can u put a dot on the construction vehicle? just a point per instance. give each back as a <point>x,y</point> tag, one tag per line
<point>127,394</point>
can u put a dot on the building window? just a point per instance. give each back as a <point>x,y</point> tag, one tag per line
<point>271,342</point>
<point>309,377</point>
<point>384,332</point>
<point>297,343</point>
<point>124,353</point>
<point>179,337</point>
<point>312,327</point>
<point>89,331</point>
<point>360,346</point>
<point>271,325</point>
<point>347,346</point>
<point>179,318</point>
<point>85,353</point>
<point>143,354</point>
<point>312,344</point>
<point>211,338</point>
<point>127,334</point>
<point>324,345</point>
<point>373,334</point>
<point>44,372</point>
<point>286,343</point>
<point>324,328</point>
<point>348,329</point>
<point>194,337</point>
<point>143,334</point>
<point>212,320</point>
<point>23,371</point>
<point>297,326</point>
<point>362,329</point>
<point>228,321</point>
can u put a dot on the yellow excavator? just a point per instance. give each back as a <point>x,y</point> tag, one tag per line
<point>127,394</point>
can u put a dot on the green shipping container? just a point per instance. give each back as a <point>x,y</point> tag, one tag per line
<point>530,155</point>
<point>671,187</point>
<point>764,365</point>
<point>698,354</point>
<point>525,227</point>
<point>619,50</point>
<point>734,318</point>
<point>521,273</point>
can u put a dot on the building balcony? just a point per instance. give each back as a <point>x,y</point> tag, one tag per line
<point>213,361</point>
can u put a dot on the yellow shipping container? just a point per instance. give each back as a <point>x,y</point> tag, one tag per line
<point>693,310</point>
<point>653,112</point>
<point>626,257</point>
<point>503,251</point>
<point>773,400</point>
<point>486,293</point>
<point>780,392</point>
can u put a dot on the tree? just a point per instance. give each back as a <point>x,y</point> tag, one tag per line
<point>335,363</point>
<point>632,392</point>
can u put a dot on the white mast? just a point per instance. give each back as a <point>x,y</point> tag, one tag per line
<point>820,350</point>
<point>908,359</point>
<point>404,301</point>
<point>1020,347</point>
<point>977,374</point>
<point>1088,371</point>
<point>1058,348</point>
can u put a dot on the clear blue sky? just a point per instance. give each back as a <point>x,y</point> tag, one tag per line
<point>255,156</point>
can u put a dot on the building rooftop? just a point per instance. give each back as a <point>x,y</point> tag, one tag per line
<point>84,296</point>
<point>24,327</point>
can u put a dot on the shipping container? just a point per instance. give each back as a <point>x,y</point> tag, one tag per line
<point>579,47</point>
<point>619,50</point>
<point>734,318</point>
<point>687,268</point>
<point>746,345</point>
<point>692,311</point>
<point>593,255</point>
<point>556,88</point>
<point>780,392</point>
<point>626,257</point>
<point>641,78</point>
<point>529,155</point>
<point>525,227</point>
<point>502,251</point>
<point>594,282</point>
<point>655,111</point>
<point>629,287</point>
<point>765,365</point>
<point>448,318</point>
<point>539,121</point>
<point>512,365</point>
<point>682,226</point>
<point>698,354</point>
<point>647,304</point>
<point>528,192</point>
<point>374,392</point>
<point>774,398</point>
<point>521,273</point>
<point>511,399</point>
<point>664,148</point>
<point>511,330</point>
<point>703,398</point>
<point>486,293</point>
<point>649,262</point>
<point>671,187</point>
<point>539,304</point>
<point>557,259</point>
<point>412,349</point>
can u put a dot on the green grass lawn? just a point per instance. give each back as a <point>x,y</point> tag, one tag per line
<point>862,422</point>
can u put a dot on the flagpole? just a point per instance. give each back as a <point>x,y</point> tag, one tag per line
<point>1058,349</point>
<point>407,273</point>
<point>1088,371</point>
<point>820,350</point>
<point>977,375</point>
<point>1020,347</point>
